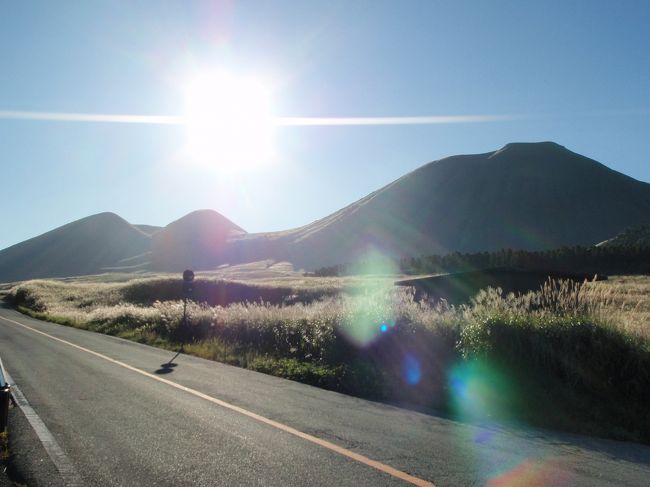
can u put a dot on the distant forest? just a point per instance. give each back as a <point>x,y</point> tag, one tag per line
<point>591,260</point>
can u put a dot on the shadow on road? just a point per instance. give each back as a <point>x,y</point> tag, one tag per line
<point>168,367</point>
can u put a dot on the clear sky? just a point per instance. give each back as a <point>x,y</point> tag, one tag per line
<point>575,72</point>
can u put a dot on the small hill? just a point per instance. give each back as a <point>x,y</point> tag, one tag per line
<point>530,196</point>
<point>638,236</point>
<point>85,246</point>
<point>198,240</point>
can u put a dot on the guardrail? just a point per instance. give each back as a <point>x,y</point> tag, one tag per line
<point>5,397</point>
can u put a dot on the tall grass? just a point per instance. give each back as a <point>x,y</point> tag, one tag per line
<point>577,353</point>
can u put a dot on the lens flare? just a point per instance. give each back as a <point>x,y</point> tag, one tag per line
<point>372,315</point>
<point>533,473</point>
<point>412,369</point>
<point>480,391</point>
<point>484,393</point>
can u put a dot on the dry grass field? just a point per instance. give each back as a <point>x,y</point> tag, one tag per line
<point>627,300</point>
<point>575,357</point>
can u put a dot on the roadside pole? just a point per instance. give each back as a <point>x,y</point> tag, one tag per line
<point>5,397</point>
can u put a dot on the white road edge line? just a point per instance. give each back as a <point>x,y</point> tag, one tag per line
<point>382,467</point>
<point>61,461</point>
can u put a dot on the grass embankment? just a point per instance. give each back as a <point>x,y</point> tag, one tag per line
<point>571,357</point>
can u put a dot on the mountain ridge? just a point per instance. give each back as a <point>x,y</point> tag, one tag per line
<point>441,207</point>
<point>530,196</point>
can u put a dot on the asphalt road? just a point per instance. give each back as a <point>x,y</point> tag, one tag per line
<point>213,424</point>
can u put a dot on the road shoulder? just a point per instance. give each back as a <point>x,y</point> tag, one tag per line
<point>29,463</point>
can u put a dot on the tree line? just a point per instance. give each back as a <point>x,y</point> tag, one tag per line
<point>633,259</point>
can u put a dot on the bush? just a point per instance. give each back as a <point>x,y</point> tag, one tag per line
<point>26,297</point>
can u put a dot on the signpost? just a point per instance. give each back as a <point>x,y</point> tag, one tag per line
<point>188,288</point>
<point>188,279</point>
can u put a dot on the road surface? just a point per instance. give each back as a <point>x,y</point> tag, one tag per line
<point>119,421</point>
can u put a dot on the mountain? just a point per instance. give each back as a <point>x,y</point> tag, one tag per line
<point>638,236</point>
<point>524,196</point>
<point>198,240</point>
<point>84,246</point>
<point>530,196</point>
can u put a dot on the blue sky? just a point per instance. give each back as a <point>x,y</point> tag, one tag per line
<point>578,73</point>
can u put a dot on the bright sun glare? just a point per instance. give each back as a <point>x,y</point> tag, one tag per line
<point>228,121</point>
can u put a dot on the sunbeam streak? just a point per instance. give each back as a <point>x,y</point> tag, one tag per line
<point>422,120</point>
<point>91,117</point>
<point>281,121</point>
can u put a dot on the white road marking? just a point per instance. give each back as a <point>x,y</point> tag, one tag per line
<point>382,467</point>
<point>61,461</point>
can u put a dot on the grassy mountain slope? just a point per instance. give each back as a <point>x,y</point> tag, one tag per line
<point>524,196</point>
<point>148,229</point>
<point>197,240</point>
<point>638,236</point>
<point>84,246</point>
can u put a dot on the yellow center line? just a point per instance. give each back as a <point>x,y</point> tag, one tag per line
<point>382,467</point>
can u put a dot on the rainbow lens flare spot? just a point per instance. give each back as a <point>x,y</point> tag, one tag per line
<point>480,390</point>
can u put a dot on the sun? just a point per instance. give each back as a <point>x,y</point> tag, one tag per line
<point>228,121</point>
